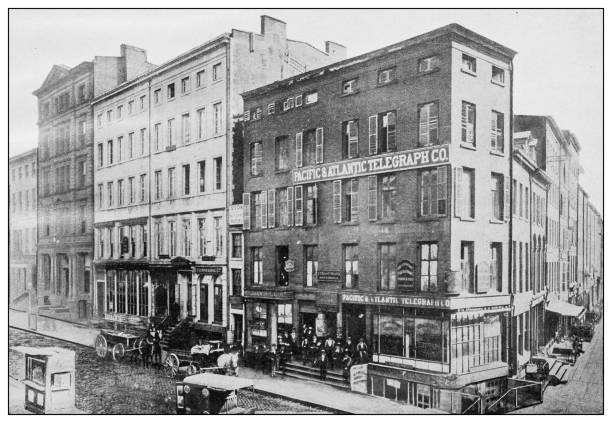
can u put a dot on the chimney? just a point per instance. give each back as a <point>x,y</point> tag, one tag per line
<point>335,51</point>
<point>134,61</point>
<point>271,26</point>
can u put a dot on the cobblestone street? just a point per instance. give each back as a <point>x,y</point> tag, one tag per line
<point>583,393</point>
<point>108,387</point>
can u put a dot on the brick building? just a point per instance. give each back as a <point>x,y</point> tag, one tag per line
<point>65,191</point>
<point>376,205</point>
<point>22,223</point>
<point>163,180</point>
<point>589,270</point>
<point>528,285</point>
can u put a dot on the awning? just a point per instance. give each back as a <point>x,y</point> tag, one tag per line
<point>564,309</point>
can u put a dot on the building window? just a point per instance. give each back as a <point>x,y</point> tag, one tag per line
<point>130,107</point>
<point>218,237</point>
<point>283,207</point>
<point>288,104</point>
<point>157,136</point>
<point>496,266</point>
<point>200,78</point>
<point>170,132</point>
<point>83,219</point>
<point>428,64</point>
<point>259,206</point>
<point>468,123</point>
<point>467,266</point>
<point>218,164</point>
<point>433,192</point>
<point>171,182</point>
<point>109,152</point>
<point>350,199</point>
<point>310,98</point>
<point>497,131</point>
<point>202,236</point>
<point>519,331</point>
<point>82,132</point>
<point>497,195</point>
<point>170,91</point>
<point>466,193</point>
<point>185,128</point>
<point>271,108</point>
<point>186,180</point>
<point>82,169</point>
<point>119,112</point>
<point>387,138</point>
<point>143,144</point>
<point>350,86</point>
<point>202,175</point>
<point>429,266</point>
<point>131,190</point>
<point>172,237</point>
<point>187,237</point>
<point>468,63</point>
<point>351,265</point>
<point>109,194</point>
<point>201,123</point>
<point>257,262</point>
<point>109,115</point>
<point>100,196</point>
<point>120,192</point>
<point>156,95</point>
<point>282,255</point>
<point>498,75</point>
<point>218,118</point>
<point>216,72</point>
<point>130,145</point>
<point>158,184</point>
<point>256,158</point>
<point>143,188</point>
<point>387,264</point>
<point>388,196</point>
<point>350,139</point>
<point>311,264</point>
<point>281,153</point>
<point>386,76</point>
<point>142,102</point>
<point>428,123</point>
<point>236,245</point>
<point>120,149</point>
<point>185,85</point>
<point>310,204</point>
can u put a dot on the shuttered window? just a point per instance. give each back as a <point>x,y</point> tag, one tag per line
<point>387,132</point>
<point>246,211</point>
<point>372,197</point>
<point>311,206</point>
<point>350,138</point>
<point>434,192</point>
<point>337,201</point>
<point>507,198</point>
<point>298,149</point>
<point>290,219</point>
<point>428,123</point>
<point>271,208</point>
<point>373,135</point>
<point>319,146</point>
<point>468,123</point>
<point>299,211</point>
<point>263,198</point>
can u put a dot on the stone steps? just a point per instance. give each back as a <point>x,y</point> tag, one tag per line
<point>304,372</point>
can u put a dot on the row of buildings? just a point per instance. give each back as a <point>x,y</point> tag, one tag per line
<point>258,184</point>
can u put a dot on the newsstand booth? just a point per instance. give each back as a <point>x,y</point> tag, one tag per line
<point>49,379</point>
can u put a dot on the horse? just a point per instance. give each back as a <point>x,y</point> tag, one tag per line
<point>228,363</point>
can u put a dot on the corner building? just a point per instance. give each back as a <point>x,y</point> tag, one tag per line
<point>162,180</point>
<point>376,205</point>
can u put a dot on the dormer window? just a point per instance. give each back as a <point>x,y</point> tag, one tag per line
<point>386,76</point>
<point>350,86</point>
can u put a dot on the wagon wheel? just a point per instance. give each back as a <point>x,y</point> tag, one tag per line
<point>101,346</point>
<point>171,365</point>
<point>118,352</point>
<point>140,345</point>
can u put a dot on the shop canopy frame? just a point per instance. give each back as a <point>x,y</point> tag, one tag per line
<point>565,309</point>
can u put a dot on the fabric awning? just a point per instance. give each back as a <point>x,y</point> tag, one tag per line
<point>564,309</point>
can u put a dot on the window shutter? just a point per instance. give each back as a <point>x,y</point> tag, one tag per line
<point>298,149</point>
<point>319,144</point>
<point>246,211</point>
<point>271,208</point>
<point>373,134</point>
<point>372,197</point>
<point>391,145</point>
<point>506,198</point>
<point>337,201</point>
<point>442,188</point>
<point>299,212</point>
<point>316,203</point>
<point>264,209</point>
<point>354,200</point>
<point>290,206</point>
<point>458,191</point>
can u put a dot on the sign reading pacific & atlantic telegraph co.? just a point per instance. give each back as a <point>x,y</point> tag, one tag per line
<point>397,300</point>
<point>391,162</point>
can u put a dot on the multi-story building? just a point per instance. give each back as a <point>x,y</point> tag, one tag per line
<point>589,271</point>
<point>376,205</point>
<point>22,222</point>
<point>65,191</point>
<point>528,284</point>
<point>557,155</point>
<point>163,179</point>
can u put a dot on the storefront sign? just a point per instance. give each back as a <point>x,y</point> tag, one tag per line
<point>289,265</point>
<point>332,276</point>
<point>208,258</point>
<point>405,274</point>
<point>392,162</point>
<point>396,300</point>
<point>235,214</point>
<point>209,270</point>
<point>359,378</point>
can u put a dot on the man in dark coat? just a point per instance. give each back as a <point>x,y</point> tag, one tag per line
<point>305,350</point>
<point>347,362</point>
<point>329,347</point>
<point>362,352</point>
<point>349,347</point>
<point>321,362</point>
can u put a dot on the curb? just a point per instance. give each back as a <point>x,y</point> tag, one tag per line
<point>303,402</point>
<point>50,336</point>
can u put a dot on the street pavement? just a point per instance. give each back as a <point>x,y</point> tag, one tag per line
<point>583,393</point>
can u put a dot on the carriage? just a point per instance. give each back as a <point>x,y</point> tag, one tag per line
<point>118,343</point>
<point>189,362</point>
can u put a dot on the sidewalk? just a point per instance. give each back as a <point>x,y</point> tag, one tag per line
<point>319,394</point>
<point>54,328</point>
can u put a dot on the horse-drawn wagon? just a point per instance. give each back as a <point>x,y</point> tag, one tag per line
<point>118,343</point>
<point>208,357</point>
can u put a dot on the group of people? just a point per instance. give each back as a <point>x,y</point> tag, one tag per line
<point>321,352</point>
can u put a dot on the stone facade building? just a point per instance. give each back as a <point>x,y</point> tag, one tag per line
<point>163,179</point>
<point>22,223</point>
<point>377,205</point>
<point>65,191</point>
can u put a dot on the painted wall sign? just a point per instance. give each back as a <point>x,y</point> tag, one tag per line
<point>333,276</point>
<point>359,378</point>
<point>235,214</point>
<point>289,265</point>
<point>397,300</point>
<point>209,270</point>
<point>391,162</point>
<point>405,274</point>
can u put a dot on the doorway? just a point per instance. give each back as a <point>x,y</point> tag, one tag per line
<point>161,300</point>
<point>353,320</point>
<point>100,298</point>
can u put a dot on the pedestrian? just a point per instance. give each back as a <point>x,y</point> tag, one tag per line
<point>362,352</point>
<point>157,347</point>
<point>349,347</point>
<point>273,360</point>
<point>321,362</point>
<point>330,346</point>
<point>305,350</point>
<point>347,362</point>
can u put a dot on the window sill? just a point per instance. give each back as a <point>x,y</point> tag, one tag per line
<point>429,218</point>
<point>501,84</point>
<point>349,223</point>
<point>429,72</point>
<point>468,72</point>
<point>384,84</point>
<point>282,172</point>
<point>256,176</point>
<point>467,146</point>
<point>350,94</point>
<point>467,219</point>
<point>385,221</point>
<point>496,153</point>
<point>496,222</point>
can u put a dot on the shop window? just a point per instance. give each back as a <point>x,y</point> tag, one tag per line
<point>203,302</point>
<point>519,332</point>
<point>467,266</point>
<point>218,303</point>
<point>284,318</point>
<point>259,325</point>
<point>143,294</point>
<point>311,264</point>
<point>351,266</point>
<point>131,294</point>
<point>429,266</point>
<point>492,339</point>
<point>282,255</point>
<point>121,283</point>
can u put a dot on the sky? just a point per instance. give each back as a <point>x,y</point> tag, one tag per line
<point>558,68</point>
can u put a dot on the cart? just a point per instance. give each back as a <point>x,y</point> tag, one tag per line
<point>118,343</point>
<point>179,361</point>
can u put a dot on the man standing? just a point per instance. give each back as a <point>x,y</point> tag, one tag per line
<point>330,344</point>
<point>321,363</point>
